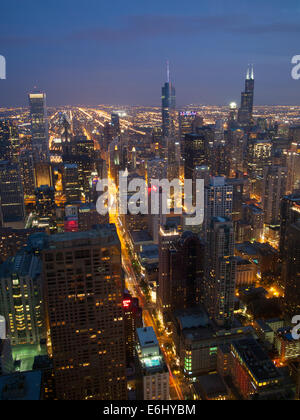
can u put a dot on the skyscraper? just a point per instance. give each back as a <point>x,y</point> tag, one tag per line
<point>220,278</point>
<point>167,236</point>
<point>245,115</point>
<point>21,298</point>
<point>183,286</point>
<point>290,253</point>
<point>39,127</point>
<point>153,371</point>
<point>168,106</point>
<point>84,310</point>
<point>218,200</point>
<point>274,189</point>
<point>9,141</point>
<point>11,194</point>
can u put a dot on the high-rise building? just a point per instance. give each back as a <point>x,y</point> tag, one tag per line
<point>168,106</point>
<point>27,173</point>
<point>115,124</point>
<point>167,236</point>
<point>218,200</point>
<point>21,298</point>
<point>289,214</point>
<point>84,310</point>
<point>221,269</point>
<point>72,188</point>
<point>45,207</point>
<point>245,115</point>
<point>153,371</point>
<point>39,127</point>
<point>189,122</point>
<point>183,285</point>
<point>133,319</point>
<point>195,152</point>
<point>290,252</point>
<point>9,141</point>
<point>274,189</point>
<point>11,194</point>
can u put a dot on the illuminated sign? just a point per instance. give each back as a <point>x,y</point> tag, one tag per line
<point>127,303</point>
<point>188,114</point>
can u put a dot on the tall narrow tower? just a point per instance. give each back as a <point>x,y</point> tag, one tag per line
<point>168,105</point>
<point>245,115</point>
<point>39,127</point>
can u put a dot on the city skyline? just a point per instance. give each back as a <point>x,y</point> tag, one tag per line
<point>105,56</point>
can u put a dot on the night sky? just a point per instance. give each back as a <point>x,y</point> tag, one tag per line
<point>114,52</point>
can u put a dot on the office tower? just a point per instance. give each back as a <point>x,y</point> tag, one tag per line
<point>45,207</point>
<point>218,200</point>
<point>9,141</point>
<point>254,216</point>
<point>6,359</point>
<point>195,151</point>
<point>43,174</point>
<point>259,155</point>
<point>115,124</point>
<point>168,234</point>
<point>245,115</point>
<point>157,142</point>
<point>11,194</point>
<point>39,127</point>
<point>289,214</point>
<point>253,372</point>
<point>71,184</point>
<point>21,298</point>
<point>183,284</point>
<point>236,150</point>
<point>241,193</point>
<point>27,173</point>
<point>153,371</point>
<point>80,152</point>
<point>133,319</point>
<point>189,122</point>
<point>232,119</point>
<point>84,310</point>
<point>274,189</point>
<point>290,253</point>
<point>219,285</point>
<point>168,107</point>
<point>173,158</point>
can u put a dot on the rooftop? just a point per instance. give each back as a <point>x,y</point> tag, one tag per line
<point>21,386</point>
<point>257,361</point>
<point>147,337</point>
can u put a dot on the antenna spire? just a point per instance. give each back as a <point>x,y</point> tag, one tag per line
<point>168,71</point>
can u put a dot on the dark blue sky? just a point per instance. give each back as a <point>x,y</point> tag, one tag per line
<point>96,51</point>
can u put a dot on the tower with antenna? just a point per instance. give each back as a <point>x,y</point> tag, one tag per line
<point>168,104</point>
<point>245,115</point>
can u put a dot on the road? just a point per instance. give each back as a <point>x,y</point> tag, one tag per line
<point>133,286</point>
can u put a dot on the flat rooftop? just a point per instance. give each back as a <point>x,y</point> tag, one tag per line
<point>147,337</point>
<point>140,236</point>
<point>256,360</point>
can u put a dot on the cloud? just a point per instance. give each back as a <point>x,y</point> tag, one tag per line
<point>149,26</point>
<point>156,26</point>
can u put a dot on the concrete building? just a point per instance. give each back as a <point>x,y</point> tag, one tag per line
<point>84,308</point>
<point>153,371</point>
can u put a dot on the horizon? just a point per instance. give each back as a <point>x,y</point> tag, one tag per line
<point>119,55</point>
